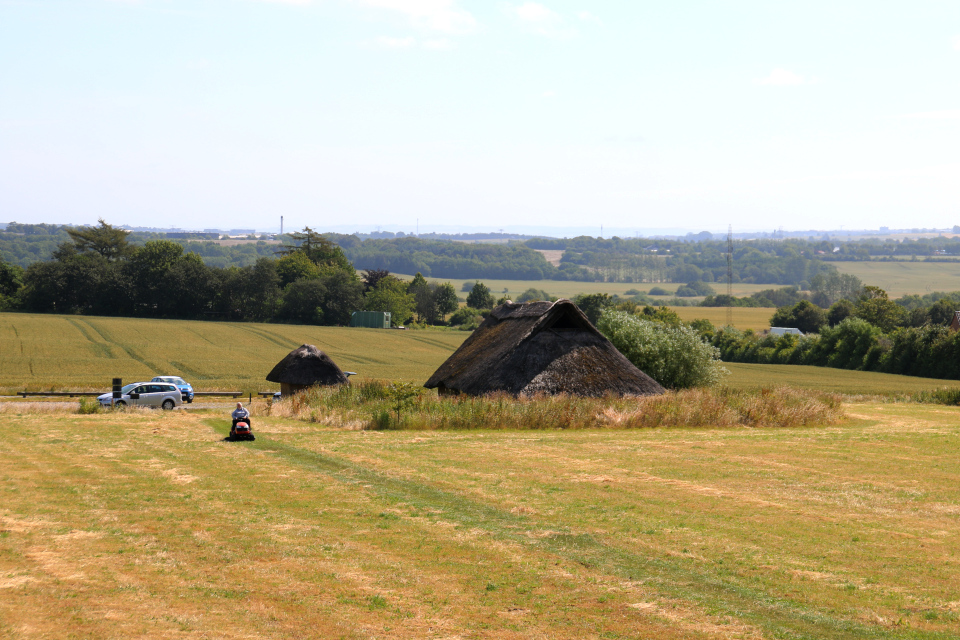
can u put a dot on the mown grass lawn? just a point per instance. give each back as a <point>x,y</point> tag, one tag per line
<point>147,524</point>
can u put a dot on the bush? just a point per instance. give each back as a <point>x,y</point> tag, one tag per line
<point>658,291</point>
<point>674,356</point>
<point>533,295</point>
<point>88,407</point>
<point>465,315</point>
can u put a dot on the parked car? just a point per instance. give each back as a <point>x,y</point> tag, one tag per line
<point>145,394</point>
<point>185,389</point>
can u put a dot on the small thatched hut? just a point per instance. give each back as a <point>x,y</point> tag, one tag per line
<point>540,347</point>
<point>305,367</point>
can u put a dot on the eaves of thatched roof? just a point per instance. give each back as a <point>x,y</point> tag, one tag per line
<point>540,347</point>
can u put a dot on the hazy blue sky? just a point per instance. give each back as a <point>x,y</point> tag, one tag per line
<point>630,114</point>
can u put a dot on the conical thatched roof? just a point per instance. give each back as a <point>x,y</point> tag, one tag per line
<point>540,347</point>
<point>307,365</point>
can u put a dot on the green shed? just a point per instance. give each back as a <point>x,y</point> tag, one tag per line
<point>370,319</point>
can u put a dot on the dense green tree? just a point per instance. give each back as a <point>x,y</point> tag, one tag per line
<point>321,251</point>
<point>104,240</point>
<point>303,301</point>
<point>839,311</point>
<point>390,294</point>
<point>344,296</point>
<point>942,311</point>
<point>827,288</point>
<point>662,314</point>
<point>445,298</point>
<point>480,297</point>
<point>11,281</point>
<point>875,307</point>
<point>296,266</point>
<point>371,277</point>
<point>805,316</point>
<point>592,304</point>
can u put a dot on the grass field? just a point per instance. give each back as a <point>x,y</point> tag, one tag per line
<point>568,289</point>
<point>757,318</point>
<point>896,278</point>
<point>147,524</point>
<point>902,278</point>
<point>752,376</point>
<point>49,352</point>
<point>40,351</point>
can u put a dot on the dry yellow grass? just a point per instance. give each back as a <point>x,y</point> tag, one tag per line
<point>148,525</point>
<point>901,278</point>
<point>39,351</point>
<point>756,318</point>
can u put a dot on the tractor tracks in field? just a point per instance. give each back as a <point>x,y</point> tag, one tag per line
<point>100,347</point>
<point>270,336</point>
<point>725,595</point>
<point>130,351</point>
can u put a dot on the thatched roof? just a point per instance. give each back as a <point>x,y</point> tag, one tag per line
<point>540,347</point>
<point>307,365</point>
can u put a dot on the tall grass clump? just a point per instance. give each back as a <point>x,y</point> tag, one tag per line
<point>943,395</point>
<point>373,405</point>
<point>88,407</point>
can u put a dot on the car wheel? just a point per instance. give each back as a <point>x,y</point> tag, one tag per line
<point>120,403</point>
<point>168,404</point>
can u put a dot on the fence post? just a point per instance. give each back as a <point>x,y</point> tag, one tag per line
<point>117,386</point>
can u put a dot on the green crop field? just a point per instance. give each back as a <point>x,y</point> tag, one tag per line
<point>903,278</point>
<point>147,525</point>
<point>38,352</point>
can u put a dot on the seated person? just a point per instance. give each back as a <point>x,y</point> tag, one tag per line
<point>240,415</point>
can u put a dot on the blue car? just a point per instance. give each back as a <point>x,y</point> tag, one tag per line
<point>185,389</point>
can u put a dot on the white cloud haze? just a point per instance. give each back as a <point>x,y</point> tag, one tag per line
<point>782,77</point>
<point>439,15</point>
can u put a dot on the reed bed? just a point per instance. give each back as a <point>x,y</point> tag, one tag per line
<point>377,406</point>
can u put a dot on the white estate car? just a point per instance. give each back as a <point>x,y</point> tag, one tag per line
<point>145,394</point>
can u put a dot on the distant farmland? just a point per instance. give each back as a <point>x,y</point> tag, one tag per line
<point>38,351</point>
<point>905,277</point>
<point>50,352</point>
<point>570,288</point>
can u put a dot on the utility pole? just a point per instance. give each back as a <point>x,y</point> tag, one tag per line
<point>281,225</point>
<point>730,275</point>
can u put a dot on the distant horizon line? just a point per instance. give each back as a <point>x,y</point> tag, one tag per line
<point>554,232</point>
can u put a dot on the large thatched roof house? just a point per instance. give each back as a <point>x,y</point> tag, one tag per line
<point>540,347</point>
<point>305,367</point>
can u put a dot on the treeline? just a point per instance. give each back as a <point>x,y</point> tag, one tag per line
<point>97,271</point>
<point>909,336</point>
<point>446,259</point>
<point>25,244</point>
<point>645,260</point>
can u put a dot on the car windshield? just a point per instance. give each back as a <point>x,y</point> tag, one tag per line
<point>128,387</point>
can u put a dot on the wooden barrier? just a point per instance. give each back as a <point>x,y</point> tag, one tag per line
<point>52,394</point>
